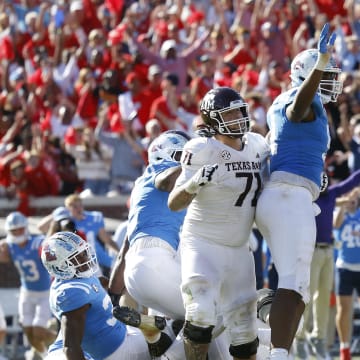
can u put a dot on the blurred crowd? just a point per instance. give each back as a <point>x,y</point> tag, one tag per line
<point>87,84</point>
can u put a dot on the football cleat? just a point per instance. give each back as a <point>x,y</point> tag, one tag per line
<point>133,318</point>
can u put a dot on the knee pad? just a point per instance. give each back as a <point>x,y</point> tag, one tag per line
<point>199,300</point>
<point>197,334</point>
<point>265,298</point>
<point>244,351</point>
<point>158,348</point>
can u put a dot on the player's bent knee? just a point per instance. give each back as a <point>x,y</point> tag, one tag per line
<point>244,351</point>
<point>197,334</point>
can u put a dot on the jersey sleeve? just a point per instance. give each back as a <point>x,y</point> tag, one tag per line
<point>161,166</point>
<point>196,153</point>
<point>71,297</point>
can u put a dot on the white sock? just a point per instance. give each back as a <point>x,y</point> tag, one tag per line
<point>264,336</point>
<point>279,354</point>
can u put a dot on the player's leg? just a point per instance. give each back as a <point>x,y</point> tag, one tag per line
<point>200,291</point>
<point>321,300</point>
<point>151,327</point>
<point>238,303</point>
<point>301,344</point>
<point>344,309</point>
<point>291,248</point>
<point>34,319</point>
<point>152,277</point>
<point>243,333</point>
<point>134,347</point>
<point>41,320</point>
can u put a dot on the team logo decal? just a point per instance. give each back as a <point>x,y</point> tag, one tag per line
<point>225,155</point>
<point>49,253</point>
<point>208,102</point>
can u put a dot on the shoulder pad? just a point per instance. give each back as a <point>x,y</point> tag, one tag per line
<point>96,215</point>
<point>72,295</point>
<point>197,152</point>
<point>259,140</point>
<point>286,97</point>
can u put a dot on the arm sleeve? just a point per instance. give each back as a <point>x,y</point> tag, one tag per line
<point>345,186</point>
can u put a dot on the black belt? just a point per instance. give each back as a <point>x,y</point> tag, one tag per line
<point>323,245</point>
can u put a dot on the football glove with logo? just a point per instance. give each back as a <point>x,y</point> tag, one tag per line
<point>203,176</point>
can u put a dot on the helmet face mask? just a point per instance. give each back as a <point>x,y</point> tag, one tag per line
<point>17,237</point>
<point>225,112</point>
<point>330,87</point>
<point>167,146</point>
<point>66,255</point>
<point>13,223</point>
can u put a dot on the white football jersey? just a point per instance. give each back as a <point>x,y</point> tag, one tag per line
<point>223,210</point>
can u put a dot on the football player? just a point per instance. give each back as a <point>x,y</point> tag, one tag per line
<point>84,309</point>
<point>153,230</point>
<point>285,214</point>
<point>346,223</point>
<point>152,273</point>
<point>92,224</point>
<point>220,181</point>
<point>23,249</point>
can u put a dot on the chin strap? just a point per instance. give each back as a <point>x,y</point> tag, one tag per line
<point>206,131</point>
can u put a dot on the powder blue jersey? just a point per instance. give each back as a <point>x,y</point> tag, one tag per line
<point>103,333</point>
<point>149,214</point>
<point>92,222</point>
<point>349,236</point>
<point>298,148</point>
<point>27,259</point>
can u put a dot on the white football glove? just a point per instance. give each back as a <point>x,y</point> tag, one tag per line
<point>202,177</point>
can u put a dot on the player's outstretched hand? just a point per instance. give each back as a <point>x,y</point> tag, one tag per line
<point>325,47</point>
<point>326,42</point>
<point>203,176</point>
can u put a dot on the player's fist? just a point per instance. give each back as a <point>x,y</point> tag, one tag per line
<point>203,176</point>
